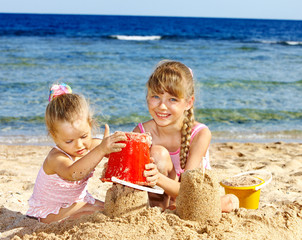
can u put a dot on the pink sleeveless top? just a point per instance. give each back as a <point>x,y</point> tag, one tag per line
<point>175,155</point>
<point>51,193</point>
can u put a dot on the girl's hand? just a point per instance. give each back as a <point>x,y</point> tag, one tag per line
<point>151,173</point>
<point>111,143</point>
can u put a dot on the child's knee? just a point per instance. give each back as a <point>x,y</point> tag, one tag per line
<point>162,159</point>
<point>158,151</point>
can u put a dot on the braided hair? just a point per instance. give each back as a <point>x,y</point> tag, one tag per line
<point>176,79</point>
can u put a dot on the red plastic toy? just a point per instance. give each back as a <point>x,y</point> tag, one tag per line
<point>129,164</point>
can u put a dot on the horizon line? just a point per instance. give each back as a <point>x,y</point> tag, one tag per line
<point>138,15</point>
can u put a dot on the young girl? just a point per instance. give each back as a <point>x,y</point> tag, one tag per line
<point>60,190</point>
<point>179,142</point>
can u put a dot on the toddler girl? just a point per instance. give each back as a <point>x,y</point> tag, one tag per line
<point>60,190</point>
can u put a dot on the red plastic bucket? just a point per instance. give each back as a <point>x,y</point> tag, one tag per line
<point>129,164</point>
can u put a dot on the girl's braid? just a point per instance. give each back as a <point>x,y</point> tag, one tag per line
<point>186,136</point>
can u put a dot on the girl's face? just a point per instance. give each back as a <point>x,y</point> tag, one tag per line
<point>167,109</point>
<point>74,138</point>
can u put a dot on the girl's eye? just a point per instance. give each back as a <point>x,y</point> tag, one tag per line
<point>173,99</point>
<point>69,141</point>
<point>85,136</point>
<point>155,96</point>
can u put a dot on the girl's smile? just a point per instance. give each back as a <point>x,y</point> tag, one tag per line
<point>163,115</point>
<point>166,109</point>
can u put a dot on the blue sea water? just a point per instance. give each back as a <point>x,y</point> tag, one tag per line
<point>248,73</point>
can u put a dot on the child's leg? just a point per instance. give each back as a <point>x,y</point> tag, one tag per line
<point>75,211</point>
<point>165,166</point>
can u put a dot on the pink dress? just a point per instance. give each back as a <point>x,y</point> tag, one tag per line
<point>51,193</point>
<point>175,155</point>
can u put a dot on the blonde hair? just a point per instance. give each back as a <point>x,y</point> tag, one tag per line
<point>66,107</point>
<point>176,79</point>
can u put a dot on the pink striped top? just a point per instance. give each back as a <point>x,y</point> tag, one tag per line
<point>175,155</point>
<point>51,193</point>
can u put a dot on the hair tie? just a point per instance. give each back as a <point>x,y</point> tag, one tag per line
<point>58,89</point>
<point>191,72</point>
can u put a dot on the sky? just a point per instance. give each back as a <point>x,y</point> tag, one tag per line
<point>261,9</point>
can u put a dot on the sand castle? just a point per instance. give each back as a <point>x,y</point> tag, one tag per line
<point>122,200</point>
<point>199,197</point>
<point>198,200</point>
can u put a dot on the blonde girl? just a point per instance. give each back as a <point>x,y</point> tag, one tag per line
<point>60,189</point>
<point>179,143</point>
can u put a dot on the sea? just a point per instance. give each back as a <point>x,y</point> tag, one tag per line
<point>247,72</point>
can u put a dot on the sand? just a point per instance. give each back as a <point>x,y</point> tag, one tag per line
<point>279,215</point>
<point>121,200</point>
<point>199,197</point>
<point>241,181</point>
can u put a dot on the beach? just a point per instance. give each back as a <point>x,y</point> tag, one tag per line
<point>247,75</point>
<point>279,215</point>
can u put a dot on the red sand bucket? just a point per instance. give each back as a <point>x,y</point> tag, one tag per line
<point>129,164</point>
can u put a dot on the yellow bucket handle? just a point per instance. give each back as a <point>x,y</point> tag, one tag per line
<point>258,171</point>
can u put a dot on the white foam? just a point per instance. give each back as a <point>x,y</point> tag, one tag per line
<point>26,140</point>
<point>293,43</point>
<point>136,38</point>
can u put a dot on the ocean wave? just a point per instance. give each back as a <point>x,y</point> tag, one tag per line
<point>179,36</point>
<point>135,38</point>
<point>288,43</point>
<point>39,140</point>
<point>204,37</point>
<point>292,43</point>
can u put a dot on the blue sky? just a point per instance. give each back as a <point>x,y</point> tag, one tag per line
<point>267,9</point>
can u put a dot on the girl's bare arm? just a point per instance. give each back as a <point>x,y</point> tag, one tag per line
<point>79,169</point>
